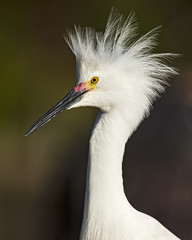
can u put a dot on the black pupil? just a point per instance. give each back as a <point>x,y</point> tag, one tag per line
<point>94,80</point>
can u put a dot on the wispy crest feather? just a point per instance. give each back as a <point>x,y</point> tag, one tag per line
<point>119,32</point>
<point>116,40</point>
<point>118,43</point>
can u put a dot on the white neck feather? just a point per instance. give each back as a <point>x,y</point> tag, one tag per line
<point>105,196</point>
<point>107,213</point>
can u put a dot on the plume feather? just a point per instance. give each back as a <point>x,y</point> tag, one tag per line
<point>118,43</point>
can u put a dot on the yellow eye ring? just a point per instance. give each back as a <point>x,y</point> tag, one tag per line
<point>94,80</point>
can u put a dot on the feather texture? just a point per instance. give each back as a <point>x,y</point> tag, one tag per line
<point>130,77</point>
<point>118,45</point>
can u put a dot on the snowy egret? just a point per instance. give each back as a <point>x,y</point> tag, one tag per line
<point>121,77</point>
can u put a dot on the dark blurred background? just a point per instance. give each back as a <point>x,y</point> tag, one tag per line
<point>42,176</point>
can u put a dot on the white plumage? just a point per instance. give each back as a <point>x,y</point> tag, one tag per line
<point>122,77</point>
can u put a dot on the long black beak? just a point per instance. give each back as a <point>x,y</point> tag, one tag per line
<point>69,100</point>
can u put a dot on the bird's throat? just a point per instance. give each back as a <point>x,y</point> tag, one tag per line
<point>104,189</point>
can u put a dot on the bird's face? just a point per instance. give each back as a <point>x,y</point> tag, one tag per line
<point>95,87</point>
<point>103,85</point>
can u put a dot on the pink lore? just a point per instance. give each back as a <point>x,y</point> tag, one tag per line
<point>80,87</point>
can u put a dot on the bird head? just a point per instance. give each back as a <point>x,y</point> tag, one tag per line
<point>114,71</point>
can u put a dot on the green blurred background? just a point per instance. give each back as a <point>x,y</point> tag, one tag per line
<point>42,176</point>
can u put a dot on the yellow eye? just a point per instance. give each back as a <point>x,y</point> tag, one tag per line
<point>94,80</point>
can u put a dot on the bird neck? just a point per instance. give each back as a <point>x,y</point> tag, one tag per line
<point>107,145</point>
<point>104,189</point>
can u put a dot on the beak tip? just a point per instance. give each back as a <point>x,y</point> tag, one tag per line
<point>32,129</point>
<point>27,133</point>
